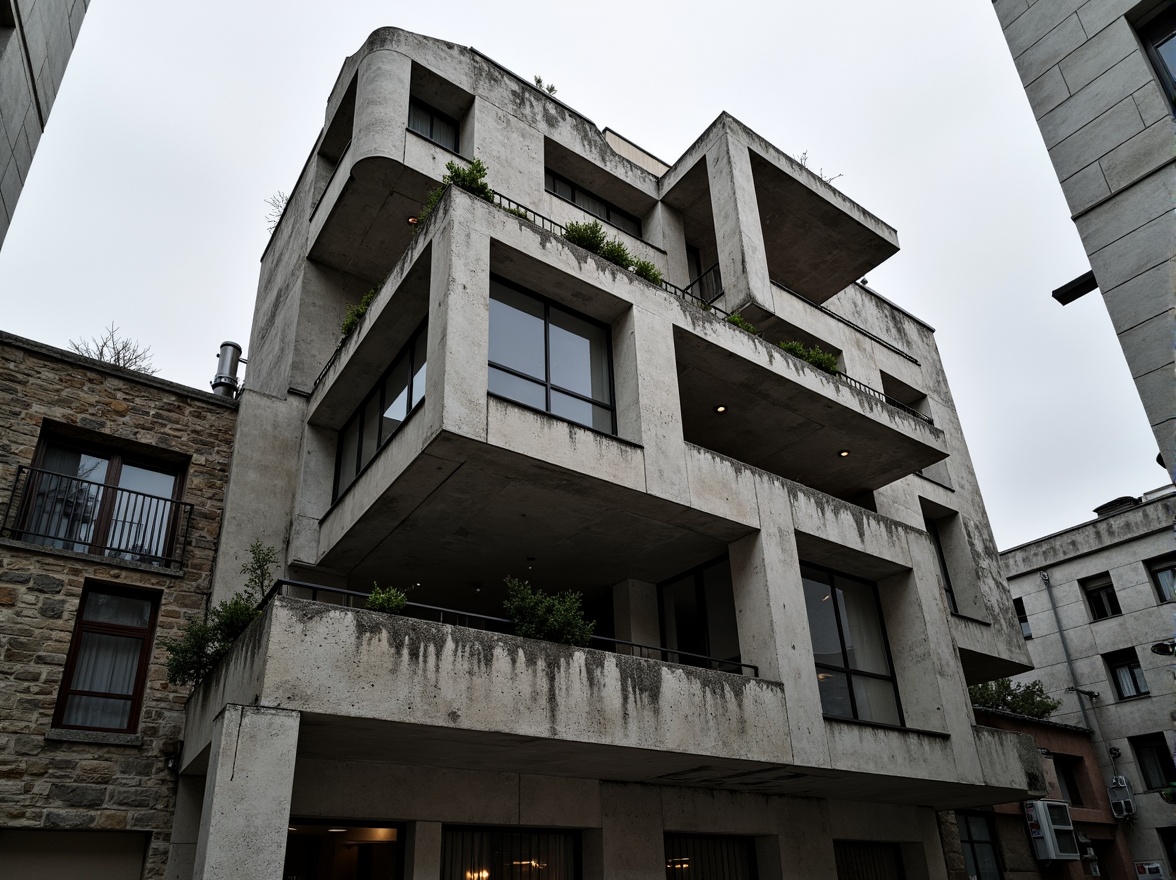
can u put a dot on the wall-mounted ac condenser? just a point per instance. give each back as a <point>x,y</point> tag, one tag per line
<point>1051,830</point>
<point>1122,798</point>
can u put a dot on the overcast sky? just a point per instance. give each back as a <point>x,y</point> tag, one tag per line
<point>146,201</point>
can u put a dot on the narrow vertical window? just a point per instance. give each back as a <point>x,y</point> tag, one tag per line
<point>1125,671</point>
<point>1022,618</point>
<point>979,846</point>
<point>932,527</point>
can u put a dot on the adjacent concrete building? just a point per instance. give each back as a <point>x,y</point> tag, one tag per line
<point>111,486</point>
<point>1093,599</point>
<point>36,39</point>
<point>791,571</point>
<point>1101,79</point>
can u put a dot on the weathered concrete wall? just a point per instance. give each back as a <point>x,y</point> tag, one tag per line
<point>72,779</point>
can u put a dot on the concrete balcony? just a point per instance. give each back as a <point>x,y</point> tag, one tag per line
<point>374,688</point>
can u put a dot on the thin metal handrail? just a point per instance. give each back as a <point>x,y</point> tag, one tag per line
<point>282,585</point>
<point>885,398</point>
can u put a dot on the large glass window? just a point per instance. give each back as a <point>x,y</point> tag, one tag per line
<point>433,124</point>
<point>91,499</point>
<point>698,618</point>
<point>324,849</point>
<point>709,857</point>
<point>508,854</point>
<point>106,670</point>
<point>396,396</point>
<point>979,846</point>
<point>592,204</point>
<point>854,674</point>
<point>548,358</point>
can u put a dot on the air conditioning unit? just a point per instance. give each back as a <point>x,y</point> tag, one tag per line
<point>1051,830</point>
<point>1121,797</point>
<point>1150,871</point>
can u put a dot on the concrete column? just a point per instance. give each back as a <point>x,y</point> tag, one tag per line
<point>739,236</point>
<point>635,617</point>
<point>381,113</point>
<point>663,227</point>
<point>632,834</point>
<point>459,337</point>
<point>247,794</point>
<point>185,832</point>
<point>422,855</point>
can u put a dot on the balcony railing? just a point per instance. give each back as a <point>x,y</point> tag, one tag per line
<point>421,611</point>
<point>67,513</point>
<point>885,398</point>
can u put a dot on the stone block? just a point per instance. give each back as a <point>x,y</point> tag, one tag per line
<point>52,608</point>
<point>1046,92</point>
<point>1098,14</point>
<point>78,795</point>
<point>1038,22</point>
<point>28,745</point>
<point>1087,104</point>
<point>1152,104</point>
<point>1098,54</point>
<point>1007,11</point>
<point>1128,211</point>
<point>1133,254</point>
<point>8,595</point>
<point>1096,139</point>
<point>1085,188</point>
<point>44,583</point>
<point>1155,392</point>
<point>1138,157</point>
<point>67,819</point>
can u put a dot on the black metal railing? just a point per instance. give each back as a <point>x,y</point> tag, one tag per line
<point>708,286</point>
<point>488,623</point>
<point>848,323</point>
<point>885,398</point>
<point>67,513</point>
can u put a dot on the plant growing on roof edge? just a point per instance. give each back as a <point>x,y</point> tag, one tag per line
<point>589,236</point>
<point>388,600</point>
<point>354,313</point>
<point>648,271</point>
<point>202,644</point>
<point>817,356</point>
<point>1023,699</point>
<point>557,617</point>
<point>472,179</point>
<point>742,323</point>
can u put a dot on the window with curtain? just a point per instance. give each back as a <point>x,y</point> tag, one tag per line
<point>93,499</point>
<point>431,123</point>
<point>709,857</point>
<point>549,358</point>
<point>396,395</point>
<point>854,673</point>
<point>106,669</point>
<point>508,854</point>
<point>1100,596</point>
<point>1127,674</point>
<point>1154,759</point>
<point>1163,572</point>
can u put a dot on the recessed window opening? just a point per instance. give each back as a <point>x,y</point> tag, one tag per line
<point>1163,574</point>
<point>334,144</point>
<point>907,395</point>
<point>593,204</point>
<point>509,854</point>
<point>855,676</point>
<point>550,358</point>
<point>398,394</point>
<point>710,857</point>
<point>932,527</point>
<point>978,842</point>
<point>106,670</point>
<point>1022,618</point>
<point>1158,36</point>
<point>1100,597</point>
<point>343,849</point>
<point>431,123</point>
<point>1068,768</point>
<point>1154,760</point>
<point>1126,673</point>
<point>698,617</point>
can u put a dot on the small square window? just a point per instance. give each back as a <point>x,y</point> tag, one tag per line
<point>431,123</point>
<point>106,670</point>
<point>1163,574</point>
<point>1154,759</point>
<point>1123,667</point>
<point>1100,597</point>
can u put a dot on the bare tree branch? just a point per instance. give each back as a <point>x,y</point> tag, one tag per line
<point>122,351</point>
<point>277,207</point>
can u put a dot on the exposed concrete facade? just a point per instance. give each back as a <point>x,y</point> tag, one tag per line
<point>1075,644</point>
<point>36,39</point>
<point>1107,122</point>
<point>79,801</point>
<point>424,726</point>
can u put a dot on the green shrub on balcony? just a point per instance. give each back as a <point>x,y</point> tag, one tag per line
<point>471,179</point>
<point>648,271</point>
<point>742,323</point>
<point>202,644</point>
<point>557,617</point>
<point>817,356</point>
<point>589,236</point>
<point>616,253</point>
<point>354,313</point>
<point>387,600</point>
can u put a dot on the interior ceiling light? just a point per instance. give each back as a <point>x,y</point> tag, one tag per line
<point>843,453</point>
<point>720,408</point>
<point>413,221</point>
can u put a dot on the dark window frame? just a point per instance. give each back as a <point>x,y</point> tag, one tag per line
<point>82,626</point>
<point>434,115</point>
<point>1155,32</point>
<point>849,672</point>
<point>1155,567</point>
<point>1157,744</point>
<point>1022,617</point>
<point>1101,599</point>
<point>1067,768</point>
<point>1127,659</point>
<point>968,844</point>
<point>700,601</point>
<point>549,386</point>
<point>415,403</point>
<point>610,208</point>
<point>932,527</point>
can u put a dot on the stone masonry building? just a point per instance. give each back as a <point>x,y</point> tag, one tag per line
<point>791,570</point>
<point>36,39</point>
<point>1093,599</point>
<point>1100,76</point>
<point>111,487</point>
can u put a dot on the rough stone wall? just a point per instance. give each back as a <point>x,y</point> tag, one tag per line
<point>97,784</point>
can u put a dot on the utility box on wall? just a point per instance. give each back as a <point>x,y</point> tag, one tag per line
<point>1051,830</point>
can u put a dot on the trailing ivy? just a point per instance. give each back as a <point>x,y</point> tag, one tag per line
<point>551,617</point>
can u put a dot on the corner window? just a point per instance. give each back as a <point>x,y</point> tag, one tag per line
<point>397,395</point>
<point>979,846</point>
<point>1100,597</point>
<point>433,124</point>
<point>1163,574</point>
<point>1022,618</point>
<point>549,358</point>
<point>89,498</point>
<point>493,853</point>
<point>717,856</point>
<point>1125,671</point>
<point>106,670</point>
<point>590,203</point>
<point>1154,759</point>
<point>1159,40</point>
<point>854,673</point>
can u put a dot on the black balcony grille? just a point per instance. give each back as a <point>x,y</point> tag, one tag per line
<point>66,513</point>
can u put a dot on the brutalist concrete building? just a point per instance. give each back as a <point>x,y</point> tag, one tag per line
<point>1101,79</point>
<point>791,570</point>
<point>1093,600</point>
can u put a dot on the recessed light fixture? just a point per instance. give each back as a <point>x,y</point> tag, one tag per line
<point>720,408</point>
<point>336,830</point>
<point>843,453</point>
<point>413,221</point>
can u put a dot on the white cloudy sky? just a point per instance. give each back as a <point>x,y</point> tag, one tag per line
<point>145,205</point>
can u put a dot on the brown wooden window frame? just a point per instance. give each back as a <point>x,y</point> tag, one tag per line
<point>83,626</point>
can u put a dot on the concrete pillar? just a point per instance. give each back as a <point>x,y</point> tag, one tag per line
<point>635,616</point>
<point>740,238</point>
<point>185,832</point>
<point>422,854</point>
<point>381,112</point>
<point>459,338</point>
<point>247,794</point>
<point>662,227</point>
<point>632,834</point>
